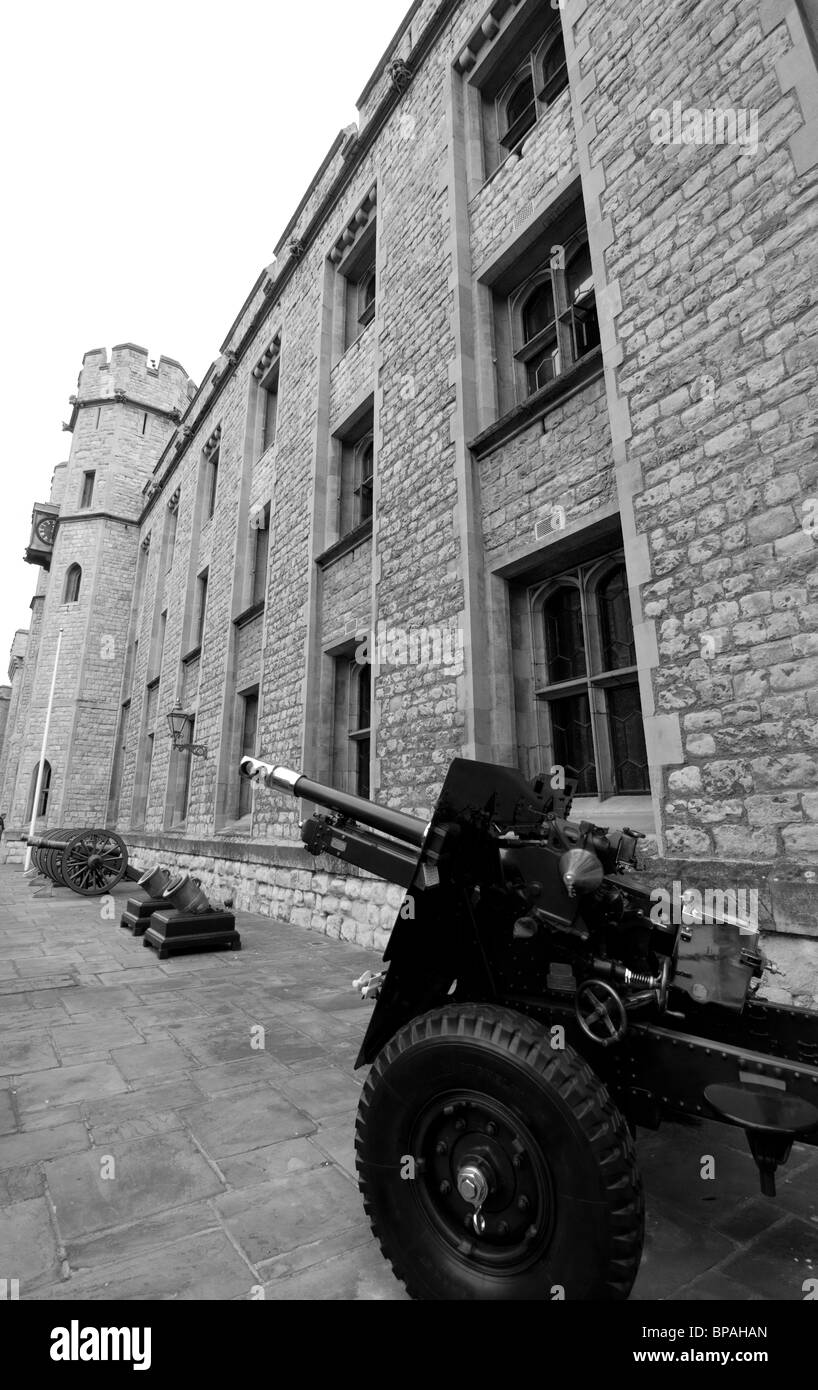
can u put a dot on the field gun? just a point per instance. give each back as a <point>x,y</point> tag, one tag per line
<point>540,1003</point>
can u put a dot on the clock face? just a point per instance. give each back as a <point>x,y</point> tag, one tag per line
<point>44,530</point>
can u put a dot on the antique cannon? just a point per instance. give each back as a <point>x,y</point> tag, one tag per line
<point>88,861</point>
<point>177,915</point>
<point>540,1003</point>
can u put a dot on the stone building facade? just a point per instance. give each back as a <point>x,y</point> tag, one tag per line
<point>509,453</point>
<point>5,702</point>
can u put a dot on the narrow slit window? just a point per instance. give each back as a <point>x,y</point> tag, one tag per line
<point>87,489</point>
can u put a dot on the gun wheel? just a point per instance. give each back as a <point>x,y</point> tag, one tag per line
<point>493,1167</point>
<point>93,862</point>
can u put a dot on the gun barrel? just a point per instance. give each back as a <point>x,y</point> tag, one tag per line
<point>410,829</point>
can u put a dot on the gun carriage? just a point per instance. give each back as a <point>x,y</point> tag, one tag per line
<point>88,861</point>
<point>536,1009</point>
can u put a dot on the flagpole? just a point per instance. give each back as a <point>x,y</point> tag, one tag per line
<point>41,768</point>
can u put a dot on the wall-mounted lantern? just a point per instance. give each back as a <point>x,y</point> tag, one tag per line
<point>178,722</point>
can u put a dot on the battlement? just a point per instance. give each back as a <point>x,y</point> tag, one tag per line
<point>58,483</point>
<point>130,373</point>
<point>18,651</point>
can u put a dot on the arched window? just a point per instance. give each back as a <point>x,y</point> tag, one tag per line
<point>538,311</point>
<point>564,639</point>
<point>365,470</point>
<point>361,735</point>
<point>554,319</point>
<point>45,790</point>
<point>540,350</point>
<point>553,67</point>
<point>615,620</point>
<point>582,302</point>
<point>357,478</point>
<point>71,591</point>
<point>587,681</point>
<point>519,104</point>
<point>366,297</point>
<point>518,109</point>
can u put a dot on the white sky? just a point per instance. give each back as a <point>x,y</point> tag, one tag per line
<point>151,156</point>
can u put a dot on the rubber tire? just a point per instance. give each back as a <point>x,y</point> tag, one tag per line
<point>596,1245</point>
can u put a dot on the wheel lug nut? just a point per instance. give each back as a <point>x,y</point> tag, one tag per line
<point>441,1148</point>
<point>517,1160</point>
<point>445,1188</point>
<point>460,1124</point>
<point>491,1129</point>
<point>522,1204</point>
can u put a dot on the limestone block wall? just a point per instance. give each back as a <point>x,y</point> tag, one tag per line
<point>546,158</point>
<point>346,586</point>
<point>352,377</point>
<point>10,746</point>
<point>5,701</point>
<point>564,461</point>
<point>706,253</point>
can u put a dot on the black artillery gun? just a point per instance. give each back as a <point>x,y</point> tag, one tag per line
<point>536,1009</point>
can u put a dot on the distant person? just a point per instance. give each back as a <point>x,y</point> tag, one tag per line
<point>2,824</point>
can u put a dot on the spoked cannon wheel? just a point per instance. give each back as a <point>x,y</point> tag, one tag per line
<point>493,1167</point>
<point>46,859</point>
<point>93,862</point>
<point>51,862</point>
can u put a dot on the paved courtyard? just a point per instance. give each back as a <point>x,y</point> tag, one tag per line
<point>147,1150</point>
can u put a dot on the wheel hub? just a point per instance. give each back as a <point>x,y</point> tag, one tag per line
<point>482,1182</point>
<point>473,1183</point>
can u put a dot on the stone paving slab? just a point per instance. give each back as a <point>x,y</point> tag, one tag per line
<point>205,1266</point>
<point>117,1244</point>
<point>59,1086</point>
<point>234,1163</point>
<point>120,1182</point>
<point>289,1212</point>
<point>27,1229</point>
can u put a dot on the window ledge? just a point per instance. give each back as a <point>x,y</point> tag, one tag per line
<point>192,654</point>
<point>250,613</point>
<point>616,812</point>
<point>516,154</point>
<point>517,151</point>
<point>243,827</point>
<point>536,407</point>
<point>348,542</point>
<point>356,343</point>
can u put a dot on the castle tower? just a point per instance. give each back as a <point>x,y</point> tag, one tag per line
<point>86,540</point>
<point>9,743</point>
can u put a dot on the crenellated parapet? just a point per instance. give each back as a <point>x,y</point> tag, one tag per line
<point>130,377</point>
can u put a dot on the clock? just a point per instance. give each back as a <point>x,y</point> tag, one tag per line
<point>44,530</point>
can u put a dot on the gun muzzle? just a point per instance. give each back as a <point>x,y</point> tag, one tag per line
<point>410,829</point>
<point>281,777</point>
